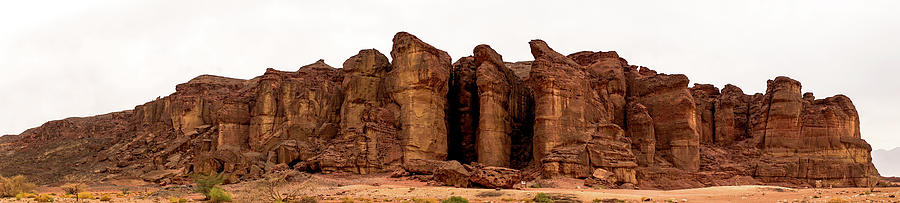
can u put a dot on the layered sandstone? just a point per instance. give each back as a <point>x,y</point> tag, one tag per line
<point>504,111</point>
<point>574,131</point>
<point>418,83</point>
<point>672,107</point>
<point>480,121</point>
<point>368,141</point>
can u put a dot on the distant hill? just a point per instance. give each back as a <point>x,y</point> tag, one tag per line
<point>887,161</point>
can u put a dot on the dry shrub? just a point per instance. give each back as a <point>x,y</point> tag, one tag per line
<point>836,200</point>
<point>272,186</point>
<point>105,198</point>
<point>10,187</point>
<point>43,198</point>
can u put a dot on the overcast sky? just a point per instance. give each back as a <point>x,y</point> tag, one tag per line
<point>61,59</point>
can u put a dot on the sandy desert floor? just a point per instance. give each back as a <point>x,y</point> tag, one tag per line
<point>381,188</point>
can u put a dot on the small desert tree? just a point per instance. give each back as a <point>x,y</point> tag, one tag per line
<point>74,184</point>
<point>872,179</point>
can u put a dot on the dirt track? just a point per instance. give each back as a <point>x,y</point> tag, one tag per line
<point>380,188</point>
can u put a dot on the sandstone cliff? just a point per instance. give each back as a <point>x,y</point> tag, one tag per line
<point>480,121</point>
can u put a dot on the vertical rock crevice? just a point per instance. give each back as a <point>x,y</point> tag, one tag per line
<point>462,116</point>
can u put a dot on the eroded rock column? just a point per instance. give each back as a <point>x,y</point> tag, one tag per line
<point>640,130</point>
<point>418,84</point>
<point>672,107</point>
<point>503,105</point>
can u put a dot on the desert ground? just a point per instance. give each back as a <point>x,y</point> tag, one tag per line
<point>383,188</point>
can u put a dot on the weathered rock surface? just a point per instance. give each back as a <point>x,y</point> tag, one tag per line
<point>418,83</point>
<point>573,130</point>
<point>672,107</point>
<point>463,115</point>
<point>812,139</point>
<point>732,116</point>
<point>479,122</point>
<point>494,177</point>
<point>368,141</point>
<point>504,114</point>
<point>640,131</point>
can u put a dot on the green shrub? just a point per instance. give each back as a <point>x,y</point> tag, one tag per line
<point>217,194</point>
<point>535,185</point>
<point>542,198</point>
<point>309,199</point>
<point>455,199</point>
<point>43,198</point>
<point>204,183</point>
<point>490,194</point>
<point>10,187</point>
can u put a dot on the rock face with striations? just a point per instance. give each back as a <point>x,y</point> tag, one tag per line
<point>672,107</point>
<point>418,83</point>
<point>478,122</point>
<point>812,139</point>
<point>368,141</point>
<point>504,111</point>
<point>573,129</point>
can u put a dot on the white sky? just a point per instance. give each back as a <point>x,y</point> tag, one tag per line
<point>61,59</point>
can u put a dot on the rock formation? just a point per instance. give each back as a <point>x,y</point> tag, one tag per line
<point>478,122</point>
<point>369,141</point>
<point>418,83</point>
<point>672,107</point>
<point>463,115</point>
<point>504,111</point>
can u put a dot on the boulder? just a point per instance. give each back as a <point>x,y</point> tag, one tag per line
<point>423,166</point>
<point>452,173</point>
<point>600,177</point>
<point>494,177</point>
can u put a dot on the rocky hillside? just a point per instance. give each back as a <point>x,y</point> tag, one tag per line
<point>587,115</point>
